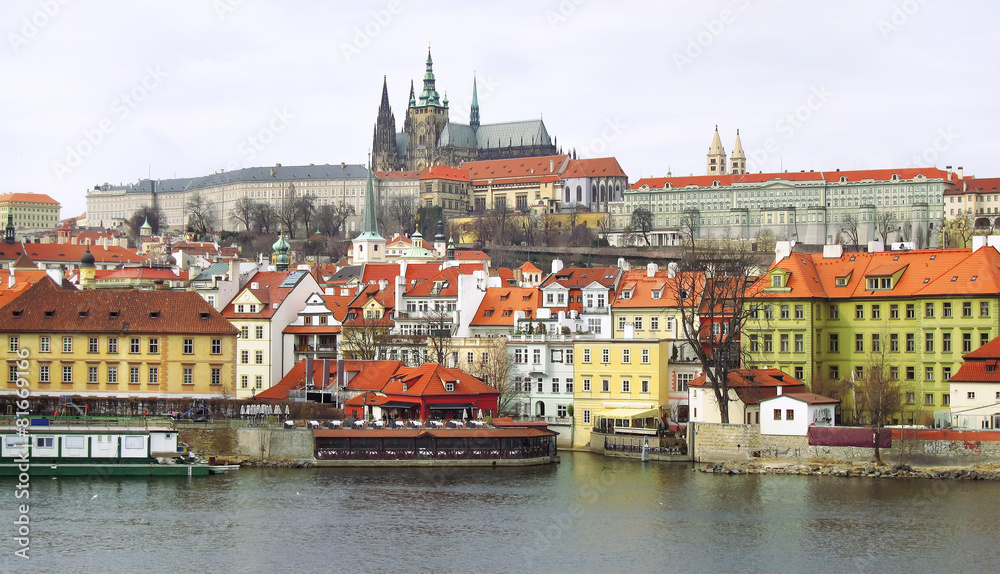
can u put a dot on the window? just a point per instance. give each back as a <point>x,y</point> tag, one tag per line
<point>775,280</point>
<point>586,385</point>
<point>154,345</point>
<point>258,357</point>
<point>911,344</point>
<point>768,344</point>
<point>67,344</point>
<point>945,373</point>
<point>43,374</point>
<point>929,399</point>
<point>605,385</point>
<point>911,373</point>
<point>92,346</point>
<point>876,342</point>
<point>188,376</point>
<point>605,355</point>
<point>259,332</point>
<point>682,381</point>
<point>928,342</point>
<point>894,311</point>
<point>859,343</point>
<point>134,345</point>
<point>569,356</point>
<point>520,356</point>
<point>112,375</point>
<point>92,374</point>
<point>894,342</point>
<point>783,342</point>
<point>834,312</point>
<point>637,323</point>
<point>113,345</point>
<point>586,417</point>
<point>188,346</point>
<point>800,345</point>
<point>133,375</point>
<point>154,375</point>
<point>536,356</point>
<point>966,309</point>
<point>800,312</point>
<point>984,308</point>
<point>654,323</point>
<point>561,411</point>
<point>621,323</point>
<point>645,357</point>
<point>245,381</point>
<point>789,414</point>
<point>217,376</point>
<point>12,373</point>
<point>911,312</point>
<point>928,373</point>
<point>929,310</point>
<point>216,346</point>
<point>946,309</point>
<point>258,381</point>
<point>754,344</point>
<point>784,311</point>
<point>945,342</point>
<point>876,311</point>
<point>966,342</point>
<point>626,386</point>
<point>470,357</point>
<point>911,398</point>
<point>244,332</point>
<point>799,373</point>
<point>43,344</point>
<point>946,399</point>
<point>983,338</point>
<point>555,387</point>
<point>834,372</point>
<point>244,357</point>
<point>626,356</point>
<point>859,311</point>
<point>834,343</point>
<point>569,385</point>
<point>12,344</point>
<point>777,414</point>
<point>556,355</point>
<point>644,386</point>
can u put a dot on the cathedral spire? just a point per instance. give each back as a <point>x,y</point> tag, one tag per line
<point>413,99</point>
<point>716,160</point>
<point>369,246</point>
<point>738,159</point>
<point>386,155</point>
<point>429,96</point>
<point>474,113</point>
<point>370,225</point>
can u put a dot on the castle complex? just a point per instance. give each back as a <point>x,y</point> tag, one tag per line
<point>430,138</point>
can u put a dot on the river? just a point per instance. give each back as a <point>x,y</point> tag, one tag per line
<point>587,514</point>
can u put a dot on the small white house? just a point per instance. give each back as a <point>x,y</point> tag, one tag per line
<point>975,389</point>
<point>794,413</point>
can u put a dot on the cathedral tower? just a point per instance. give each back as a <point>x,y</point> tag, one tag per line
<point>738,159</point>
<point>428,118</point>
<point>384,151</point>
<point>716,161</point>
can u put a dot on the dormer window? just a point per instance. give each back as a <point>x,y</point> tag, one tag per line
<point>507,312</point>
<point>404,387</point>
<point>449,387</point>
<point>657,293</point>
<point>776,281</point>
<point>488,313</point>
<point>879,283</point>
<point>625,295</point>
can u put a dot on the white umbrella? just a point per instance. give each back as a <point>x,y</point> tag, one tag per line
<point>465,414</point>
<point>480,414</point>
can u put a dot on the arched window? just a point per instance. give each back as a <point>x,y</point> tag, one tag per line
<point>604,196</point>
<point>567,194</point>
<point>618,192</point>
<point>593,194</point>
<point>843,179</point>
<point>579,193</point>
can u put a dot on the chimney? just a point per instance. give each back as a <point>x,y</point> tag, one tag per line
<point>326,373</point>
<point>552,166</point>
<point>55,275</point>
<point>651,269</point>
<point>778,389</point>
<point>557,265</point>
<point>672,269</point>
<point>342,165</point>
<point>948,169</point>
<point>308,382</point>
<point>960,171</point>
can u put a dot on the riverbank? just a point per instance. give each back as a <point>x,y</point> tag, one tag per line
<point>864,470</point>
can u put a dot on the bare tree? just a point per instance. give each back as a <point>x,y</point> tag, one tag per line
<point>885,223</point>
<point>265,218</point>
<point>847,232</point>
<point>243,212</point>
<point>766,240</point>
<point>200,216</point>
<point>366,338</point>
<point>641,222</point>
<point>331,218</point>
<point>712,290</point>
<point>399,212</point>
<point>960,230</point>
<point>154,215</point>
<point>494,370</point>
<point>688,227</point>
<point>878,394</point>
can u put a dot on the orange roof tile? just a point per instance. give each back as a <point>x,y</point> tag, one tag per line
<point>500,304</point>
<point>28,198</point>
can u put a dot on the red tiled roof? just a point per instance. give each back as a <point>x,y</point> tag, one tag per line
<point>445,172</point>
<point>816,176</point>
<point>469,254</point>
<point>595,167</point>
<point>374,272</point>
<point>28,198</point>
<point>808,398</point>
<point>515,169</point>
<point>579,277</point>
<point>44,307</point>
<point>754,385</point>
<point>529,267</point>
<point>69,253</point>
<point>269,293</point>
<point>500,304</point>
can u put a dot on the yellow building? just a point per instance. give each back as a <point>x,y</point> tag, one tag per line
<point>31,210</point>
<point>111,343</point>
<point>622,382</point>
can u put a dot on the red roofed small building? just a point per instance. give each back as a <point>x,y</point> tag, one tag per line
<point>501,307</point>
<point>747,388</point>
<point>429,391</point>
<point>446,187</point>
<point>793,413</point>
<point>975,389</point>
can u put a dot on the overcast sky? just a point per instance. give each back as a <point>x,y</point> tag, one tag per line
<point>116,91</point>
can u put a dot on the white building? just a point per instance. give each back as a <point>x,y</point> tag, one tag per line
<point>793,413</point>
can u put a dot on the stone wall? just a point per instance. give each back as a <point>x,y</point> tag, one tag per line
<point>274,444</point>
<point>725,442</point>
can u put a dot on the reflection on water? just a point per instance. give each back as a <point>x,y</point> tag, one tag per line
<point>587,514</point>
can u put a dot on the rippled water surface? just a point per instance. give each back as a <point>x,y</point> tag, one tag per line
<point>587,514</point>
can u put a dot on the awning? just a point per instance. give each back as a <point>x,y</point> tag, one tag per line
<point>397,405</point>
<point>451,407</point>
<point>629,414</point>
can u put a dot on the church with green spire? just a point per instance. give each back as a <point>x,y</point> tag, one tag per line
<point>369,245</point>
<point>429,137</point>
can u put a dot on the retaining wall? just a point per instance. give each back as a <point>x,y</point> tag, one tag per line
<point>724,442</point>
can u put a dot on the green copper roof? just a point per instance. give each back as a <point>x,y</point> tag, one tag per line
<point>429,97</point>
<point>474,113</point>
<point>369,229</point>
